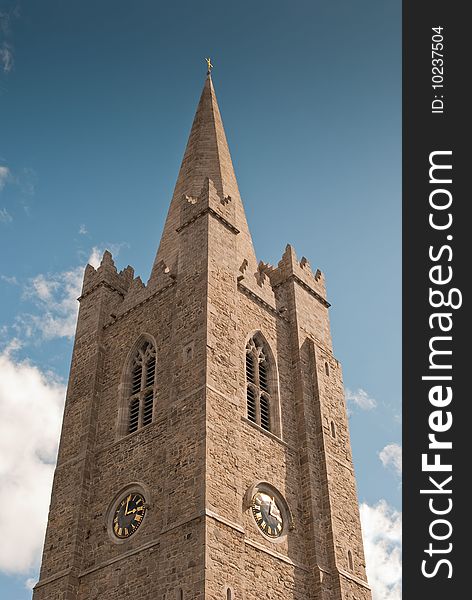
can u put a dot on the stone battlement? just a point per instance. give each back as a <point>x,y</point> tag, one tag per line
<point>289,267</point>
<point>107,274</point>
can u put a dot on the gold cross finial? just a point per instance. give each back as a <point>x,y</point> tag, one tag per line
<point>209,65</point>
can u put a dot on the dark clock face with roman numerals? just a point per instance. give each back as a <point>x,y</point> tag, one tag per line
<point>267,514</point>
<point>129,515</point>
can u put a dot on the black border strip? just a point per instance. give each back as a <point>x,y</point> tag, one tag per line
<point>424,132</point>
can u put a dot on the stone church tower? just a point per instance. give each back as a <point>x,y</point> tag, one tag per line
<point>205,451</point>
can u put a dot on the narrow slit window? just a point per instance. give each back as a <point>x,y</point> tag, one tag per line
<point>349,560</point>
<point>333,430</point>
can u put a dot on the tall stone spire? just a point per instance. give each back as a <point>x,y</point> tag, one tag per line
<point>206,156</point>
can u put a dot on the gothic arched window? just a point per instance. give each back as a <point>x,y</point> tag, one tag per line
<point>261,384</point>
<point>141,390</point>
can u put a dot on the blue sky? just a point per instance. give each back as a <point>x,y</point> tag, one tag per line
<point>97,99</point>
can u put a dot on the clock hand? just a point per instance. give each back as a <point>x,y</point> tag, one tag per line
<point>127,502</point>
<point>275,514</point>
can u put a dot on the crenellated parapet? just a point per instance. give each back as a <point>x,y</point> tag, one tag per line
<point>290,268</point>
<point>129,292</point>
<point>106,275</point>
<point>264,281</point>
<point>162,278</point>
<point>256,283</point>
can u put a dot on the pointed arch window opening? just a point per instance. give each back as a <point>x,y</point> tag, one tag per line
<point>141,398</point>
<point>260,386</point>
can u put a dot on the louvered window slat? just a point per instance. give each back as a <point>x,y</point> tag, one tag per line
<point>136,379</point>
<point>265,412</point>
<point>133,415</point>
<point>150,372</point>
<point>147,408</point>
<point>251,404</point>
<point>263,376</point>
<point>250,370</point>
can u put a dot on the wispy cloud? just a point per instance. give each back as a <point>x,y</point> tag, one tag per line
<point>6,57</point>
<point>6,16</point>
<point>24,180</point>
<point>5,216</point>
<point>4,176</point>
<point>27,181</point>
<point>54,297</point>
<point>83,230</point>
<point>391,456</point>
<point>31,403</point>
<point>360,399</point>
<point>10,280</point>
<point>6,48</point>
<point>382,533</point>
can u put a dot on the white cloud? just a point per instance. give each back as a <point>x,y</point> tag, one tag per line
<point>30,583</point>
<point>6,57</point>
<point>83,230</point>
<point>360,399</point>
<point>391,456</point>
<point>4,176</point>
<point>382,533</point>
<point>55,296</point>
<point>97,252</point>
<point>95,257</point>
<point>12,346</point>
<point>5,216</point>
<point>31,404</point>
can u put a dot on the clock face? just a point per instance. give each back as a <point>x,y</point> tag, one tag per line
<point>267,514</point>
<point>129,515</point>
